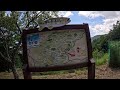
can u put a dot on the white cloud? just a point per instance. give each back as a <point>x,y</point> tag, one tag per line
<point>68,14</point>
<point>99,29</point>
<point>89,14</point>
<point>65,13</point>
<point>110,18</point>
<point>104,28</point>
<point>105,14</point>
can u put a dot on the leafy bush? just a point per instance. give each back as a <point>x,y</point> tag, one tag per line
<point>114,54</point>
<point>102,60</point>
<point>100,44</point>
<point>98,54</point>
<point>18,63</point>
<point>100,57</point>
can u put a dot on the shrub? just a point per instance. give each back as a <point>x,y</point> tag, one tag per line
<point>114,54</point>
<point>97,54</point>
<point>102,60</point>
<point>100,57</point>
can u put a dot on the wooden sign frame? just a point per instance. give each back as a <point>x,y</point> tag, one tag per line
<point>90,64</point>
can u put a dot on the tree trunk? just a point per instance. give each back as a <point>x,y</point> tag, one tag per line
<point>16,76</point>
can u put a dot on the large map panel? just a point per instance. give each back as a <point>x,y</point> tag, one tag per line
<point>57,48</point>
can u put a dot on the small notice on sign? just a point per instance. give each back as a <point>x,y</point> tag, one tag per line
<point>33,40</point>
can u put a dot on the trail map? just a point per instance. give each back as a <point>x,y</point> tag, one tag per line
<point>57,48</point>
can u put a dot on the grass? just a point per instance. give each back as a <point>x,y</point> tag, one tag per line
<point>79,71</point>
<point>100,57</point>
<point>62,74</point>
<point>102,60</point>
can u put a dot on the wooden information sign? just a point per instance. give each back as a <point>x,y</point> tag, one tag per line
<point>61,48</point>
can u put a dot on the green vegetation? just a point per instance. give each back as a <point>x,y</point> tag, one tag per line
<point>114,34</point>
<point>100,57</point>
<point>100,44</point>
<point>12,25</point>
<point>102,60</point>
<point>101,47</point>
<point>114,54</point>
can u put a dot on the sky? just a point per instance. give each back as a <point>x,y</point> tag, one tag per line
<point>100,22</point>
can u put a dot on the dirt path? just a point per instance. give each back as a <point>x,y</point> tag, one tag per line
<point>102,72</point>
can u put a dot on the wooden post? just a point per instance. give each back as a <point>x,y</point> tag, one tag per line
<point>91,69</point>
<point>26,73</point>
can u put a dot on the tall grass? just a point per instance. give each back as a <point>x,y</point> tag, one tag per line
<point>102,60</point>
<point>100,57</point>
<point>114,54</point>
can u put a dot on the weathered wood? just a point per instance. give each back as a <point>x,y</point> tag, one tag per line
<point>91,69</point>
<point>90,64</point>
<point>56,68</point>
<point>26,73</point>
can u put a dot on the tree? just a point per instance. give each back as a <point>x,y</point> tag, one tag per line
<point>114,34</point>
<point>11,26</point>
<point>101,44</point>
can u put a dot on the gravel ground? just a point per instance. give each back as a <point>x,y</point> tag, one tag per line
<point>102,72</point>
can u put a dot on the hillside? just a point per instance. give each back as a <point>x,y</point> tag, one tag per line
<point>96,37</point>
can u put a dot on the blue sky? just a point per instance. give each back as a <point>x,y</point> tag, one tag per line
<point>100,22</point>
<point>81,19</point>
<point>75,19</point>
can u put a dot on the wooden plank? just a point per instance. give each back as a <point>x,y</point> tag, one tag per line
<point>26,72</point>
<point>91,69</point>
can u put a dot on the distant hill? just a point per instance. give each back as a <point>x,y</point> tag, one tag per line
<point>95,37</point>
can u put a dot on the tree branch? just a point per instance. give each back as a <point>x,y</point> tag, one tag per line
<point>27,17</point>
<point>15,49</point>
<point>6,48</point>
<point>18,28</point>
<point>5,57</point>
<point>33,18</point>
